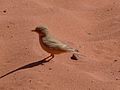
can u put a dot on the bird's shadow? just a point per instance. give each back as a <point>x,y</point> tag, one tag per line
<point>30,65</point>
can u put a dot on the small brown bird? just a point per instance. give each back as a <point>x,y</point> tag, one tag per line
<point>50,44</point>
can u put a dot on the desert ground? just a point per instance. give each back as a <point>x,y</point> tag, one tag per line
<point>91,26</point>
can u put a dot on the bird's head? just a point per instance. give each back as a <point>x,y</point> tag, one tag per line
<point>41,30</point>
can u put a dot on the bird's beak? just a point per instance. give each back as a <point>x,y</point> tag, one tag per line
<point>33,30</point>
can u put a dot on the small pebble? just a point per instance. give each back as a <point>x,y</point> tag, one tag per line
<point>89,33</point>
<point>115,60</point>
<point>8,26</point>
<point>11,36</point>
<point>117,79</point>
<point>75,57</point>
<point>50,68</point>
<point>4,11</point>
<point>30,81</point>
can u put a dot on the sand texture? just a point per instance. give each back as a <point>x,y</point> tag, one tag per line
<point>91,26</point>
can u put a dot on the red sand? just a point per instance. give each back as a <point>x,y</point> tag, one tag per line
<point>92,26</point>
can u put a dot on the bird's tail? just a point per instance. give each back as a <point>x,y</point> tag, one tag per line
<point>74,51</point>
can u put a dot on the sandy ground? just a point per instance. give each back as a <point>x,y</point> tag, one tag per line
<point>92,26</point>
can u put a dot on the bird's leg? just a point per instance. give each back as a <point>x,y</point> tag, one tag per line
<point>47,57</point>
<point>52,56</point>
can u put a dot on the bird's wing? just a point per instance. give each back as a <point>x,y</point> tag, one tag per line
<point>53,43</point>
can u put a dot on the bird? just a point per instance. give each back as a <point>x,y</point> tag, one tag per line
<point>51,44</point>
